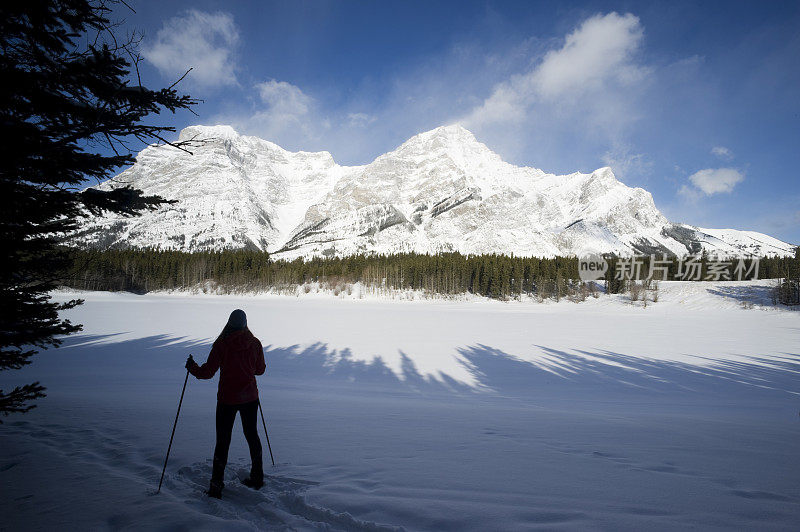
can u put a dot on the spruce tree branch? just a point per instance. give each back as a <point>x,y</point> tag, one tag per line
<point>16,401</point>
<point>180,79</point>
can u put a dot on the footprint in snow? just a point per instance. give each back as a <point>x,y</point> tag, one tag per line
<point>280,503</point>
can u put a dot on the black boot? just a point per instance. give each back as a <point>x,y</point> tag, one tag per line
<point>254,482</point>
<point>217,474</point>
<point>214,490</point>
<point>256,478</point>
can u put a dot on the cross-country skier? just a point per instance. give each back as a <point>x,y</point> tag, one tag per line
<point>239,357</point>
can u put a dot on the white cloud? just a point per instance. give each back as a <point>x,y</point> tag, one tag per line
<point>562,104</point>
<point>360,119</point>
<point>722,152</point>
<point>690,193</point>
<point>625,164</point>
<point>555,106</point>
<point>284,99</point>
<point>599,54</point>
<point>712,181</point>
<point>199,40</point>
<point>600,50</point>
<point>285,114</point>
<point>280,112</point>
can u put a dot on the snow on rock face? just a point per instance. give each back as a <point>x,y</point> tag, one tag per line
<point>441,190</point>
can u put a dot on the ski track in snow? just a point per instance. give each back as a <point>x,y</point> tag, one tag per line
<point>280,504</point>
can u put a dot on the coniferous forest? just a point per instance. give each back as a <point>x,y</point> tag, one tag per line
<point>141,270</point>
<point>494,276</point>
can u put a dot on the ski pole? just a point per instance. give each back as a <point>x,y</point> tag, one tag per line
<point>173,432</point>
<point>266,433</point>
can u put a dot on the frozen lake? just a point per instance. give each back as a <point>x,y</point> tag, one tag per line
<point>422,415</point>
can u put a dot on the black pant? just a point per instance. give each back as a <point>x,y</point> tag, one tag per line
<point>226,414</point>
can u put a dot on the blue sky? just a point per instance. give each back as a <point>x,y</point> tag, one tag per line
<point>699,104</point>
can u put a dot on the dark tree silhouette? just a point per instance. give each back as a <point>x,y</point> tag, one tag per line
<point>787,292</point>
<point>71,101</point>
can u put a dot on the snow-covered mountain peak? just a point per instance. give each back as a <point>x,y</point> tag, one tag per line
<point>443,138</point>
<point>204,137</point>
<point>606,175</point>
<point>200,132</point>
<point>453,142</point>
<point>441,190</point>
<point>603,181</point>
<point>454,133</point>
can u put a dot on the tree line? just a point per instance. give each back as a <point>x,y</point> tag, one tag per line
<point>787,292</point>
<point>491,275</point>
<point>144,270</point>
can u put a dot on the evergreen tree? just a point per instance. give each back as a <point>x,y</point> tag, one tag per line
<point>787,292</point>
<point>70,104</point>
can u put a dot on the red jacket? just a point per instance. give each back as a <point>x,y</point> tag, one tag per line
<point>240,358</point>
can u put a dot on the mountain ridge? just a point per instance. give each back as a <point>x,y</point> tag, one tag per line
<point>441,190</point>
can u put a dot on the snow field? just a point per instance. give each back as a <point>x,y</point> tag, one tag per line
<point>423,415</point>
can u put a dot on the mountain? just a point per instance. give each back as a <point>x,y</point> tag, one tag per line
<point>441,190</point>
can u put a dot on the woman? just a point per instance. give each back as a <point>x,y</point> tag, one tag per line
<point>239,357</point>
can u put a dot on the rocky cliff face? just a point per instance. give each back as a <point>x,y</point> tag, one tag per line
<point>441,190</point>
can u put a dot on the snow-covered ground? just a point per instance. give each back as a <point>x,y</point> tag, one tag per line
<point>423,415</point>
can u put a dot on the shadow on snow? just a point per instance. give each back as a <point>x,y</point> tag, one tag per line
<point>551,373</point>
